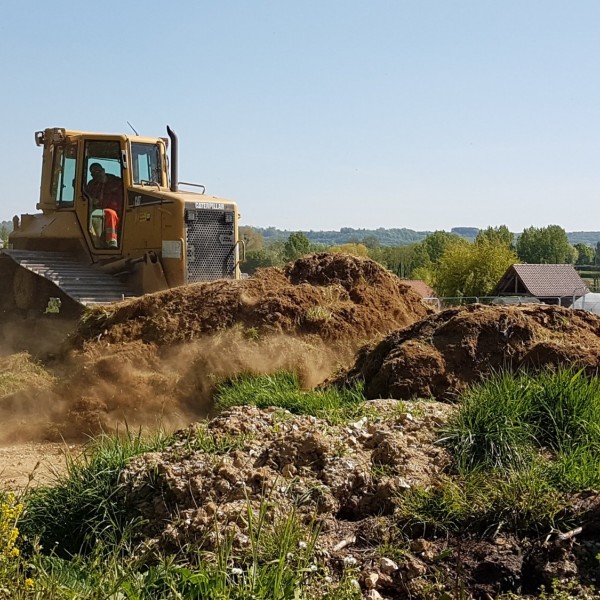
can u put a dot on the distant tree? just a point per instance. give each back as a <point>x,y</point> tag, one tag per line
<point>425,274</point>
<point>469,233</point>
<point>4,231</point>
<point>258,259</point>
<point>597,257</point>
<point>297,245</point>
<point>401,260</point>
<point>272,255</point>
<point>585,254</point>
<point>253,239</point>
<point>471,269</point>
<point>500,234</point>
<point>354,249</point>
<point>437,242</point>
<point>371,241</point>
<point>545,245</point>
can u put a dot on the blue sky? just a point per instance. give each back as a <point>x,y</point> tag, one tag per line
<point>326,114</point>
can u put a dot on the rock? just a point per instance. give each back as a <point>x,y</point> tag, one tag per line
<point>423,547</point>
<point>350,561</point>
<point>370,579</point>
<point>414,567</point>
<point>373,595</point>
<point>387,565</point>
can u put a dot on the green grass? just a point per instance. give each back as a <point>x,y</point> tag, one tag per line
<point>520,442</point>
<point>491,429</point>
<point>274,567</point>
<point>509,420</point>
<point>520,502</point>
<point>85,507</point>
<point>283,390</point>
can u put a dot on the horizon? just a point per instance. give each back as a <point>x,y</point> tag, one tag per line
<point>342,227</point>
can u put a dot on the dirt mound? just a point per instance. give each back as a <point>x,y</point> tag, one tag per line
<point>192,494</point>
<point>156,358</point>
<point>249,470</point>
<point>336,297</point>
<point>442,354</point>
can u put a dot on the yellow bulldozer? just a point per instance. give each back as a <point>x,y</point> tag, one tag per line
<point>113,224</point>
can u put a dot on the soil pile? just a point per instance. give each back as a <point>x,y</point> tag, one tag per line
<point>155,359</point>
<point>442,354</point>
<point>333,296</point>
<point>250,469</point>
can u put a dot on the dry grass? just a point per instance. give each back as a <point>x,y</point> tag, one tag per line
<point>20,371</point>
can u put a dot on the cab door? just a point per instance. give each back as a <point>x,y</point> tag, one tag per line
<point>102,189</point>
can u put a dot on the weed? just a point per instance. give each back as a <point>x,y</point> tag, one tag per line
<point>507,421</point>
<point>200,438</point>
<point>251,333</point>
<point>518,501</point>
<point>317,314</point>
<point>85,507</point>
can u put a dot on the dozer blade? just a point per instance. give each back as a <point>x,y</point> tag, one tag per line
<point>86,284</point>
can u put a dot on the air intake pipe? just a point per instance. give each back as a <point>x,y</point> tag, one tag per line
<point>174,158</point>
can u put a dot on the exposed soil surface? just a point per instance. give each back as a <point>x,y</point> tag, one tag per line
<point>33,463</point>
<point>348,481</point>
<point>442,354</point>
<point>333,296</point>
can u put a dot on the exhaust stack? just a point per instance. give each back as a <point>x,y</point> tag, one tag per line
<point>174,158</point>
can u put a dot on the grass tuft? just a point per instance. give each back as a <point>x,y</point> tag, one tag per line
<point>509,420</point>
<point>283,390</point>
<point>84,508</point>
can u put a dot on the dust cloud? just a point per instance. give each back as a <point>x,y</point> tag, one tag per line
<point>153,361</point>
<point>139,385</point>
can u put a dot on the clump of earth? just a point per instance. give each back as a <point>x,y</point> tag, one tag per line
<point>346,479</point>
<point>442,354</point>
<point>332,296</point>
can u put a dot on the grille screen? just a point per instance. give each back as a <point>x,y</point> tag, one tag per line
<point>210,244</point>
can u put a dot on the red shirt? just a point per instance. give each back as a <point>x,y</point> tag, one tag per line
<point>107,193</point>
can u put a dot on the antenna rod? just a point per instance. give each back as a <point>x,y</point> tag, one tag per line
<point>134,131</point>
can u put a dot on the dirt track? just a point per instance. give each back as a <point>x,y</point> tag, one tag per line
<point>33,463</point>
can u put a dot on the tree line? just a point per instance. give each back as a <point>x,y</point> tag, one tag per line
<point>395,236</point>
<point>451,264</point>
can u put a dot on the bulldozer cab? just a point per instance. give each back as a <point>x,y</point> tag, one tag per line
<point>90,174</point>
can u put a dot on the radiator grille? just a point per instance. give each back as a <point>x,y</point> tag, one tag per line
<point>210,244</point>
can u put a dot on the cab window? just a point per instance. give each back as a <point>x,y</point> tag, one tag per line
<point>103,188</point>
<point>146,163</point>
<point>64,168</point>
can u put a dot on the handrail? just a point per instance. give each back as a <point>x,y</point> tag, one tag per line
<point>198,185</point>
<point>242,246</point>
